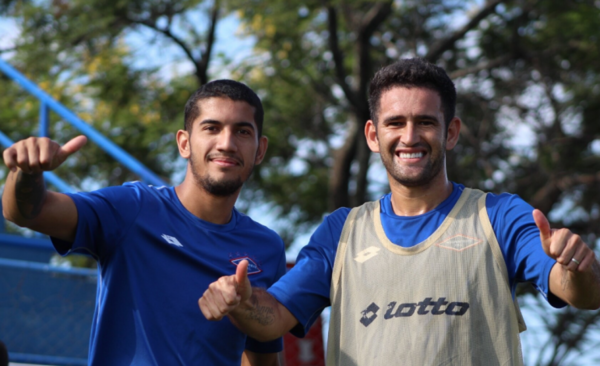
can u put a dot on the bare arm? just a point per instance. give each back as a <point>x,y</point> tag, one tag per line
<point>25,200</point>
<point>575,278</point>
<point>260,359</point>
<point>580,289</point>
<point>254,311</point>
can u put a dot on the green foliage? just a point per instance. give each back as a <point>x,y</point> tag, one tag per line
<point>526,73</point>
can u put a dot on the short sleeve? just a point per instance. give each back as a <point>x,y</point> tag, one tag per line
<point>519,240</point>
<point>305,289</point>
<point>102,218</point>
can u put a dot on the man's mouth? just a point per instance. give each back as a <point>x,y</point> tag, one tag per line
<point>225,160</point>
<point>414,155</point>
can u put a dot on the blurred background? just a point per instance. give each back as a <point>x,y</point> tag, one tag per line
<point>527,74</point>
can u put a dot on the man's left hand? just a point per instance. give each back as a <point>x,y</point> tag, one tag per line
<point>561,244</point>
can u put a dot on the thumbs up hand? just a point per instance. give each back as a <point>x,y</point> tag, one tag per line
<point>226,294</point>
<point>561,244</point>
<point>38,154</point>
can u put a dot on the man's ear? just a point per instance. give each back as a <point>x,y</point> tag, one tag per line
<point>453,133</point>
<point>183,143</point>
<point>263,143</point>
<point>371,136</point>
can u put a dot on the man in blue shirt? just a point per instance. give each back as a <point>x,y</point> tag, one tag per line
<point>426,216</point>
<point>157,247</point>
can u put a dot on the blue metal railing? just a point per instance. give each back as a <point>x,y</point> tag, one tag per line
<point>67,293</point>
<point>47,102</point>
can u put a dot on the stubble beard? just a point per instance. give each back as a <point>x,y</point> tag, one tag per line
<point>222,188</point>
<point>428,173</point>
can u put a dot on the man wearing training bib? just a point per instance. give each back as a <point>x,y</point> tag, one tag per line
<point>427,274</point>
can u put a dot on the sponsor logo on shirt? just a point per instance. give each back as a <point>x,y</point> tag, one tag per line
<point>252,265</point>
<point>425,307</point>
<point>172,240</point>
<point>366,254</point>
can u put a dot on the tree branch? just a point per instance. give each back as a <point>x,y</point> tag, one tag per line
<point>11,49</point>
<point>490,64</point>
<point>210,41</point>
<point>177,40</point>
<point>374,17</point>
<point>338,56</point>
<point>441,46</point>
<point>340,171</point>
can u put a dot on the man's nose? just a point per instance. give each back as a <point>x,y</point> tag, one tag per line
<point>226,140</point>
<point>410,134</point>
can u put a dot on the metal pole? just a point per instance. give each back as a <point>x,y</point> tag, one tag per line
<point>44,120</point>
<point>111,148</point>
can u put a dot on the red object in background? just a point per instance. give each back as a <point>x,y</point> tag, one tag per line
<point>307,351</point>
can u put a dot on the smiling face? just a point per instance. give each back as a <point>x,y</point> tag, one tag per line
<point>411,136</point>
<point>222,145</point>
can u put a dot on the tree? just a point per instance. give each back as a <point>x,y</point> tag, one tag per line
<point>77,51</point>
<point>526,72</point>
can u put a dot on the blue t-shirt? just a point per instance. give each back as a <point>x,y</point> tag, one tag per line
<point>305,289</point>
<point>155,260</point>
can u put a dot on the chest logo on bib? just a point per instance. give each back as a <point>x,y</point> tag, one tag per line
<point>459,243</point>
<point>253,268</point>
<point>366,254</point>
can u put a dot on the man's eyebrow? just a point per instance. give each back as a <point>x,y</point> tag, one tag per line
<point>237,124</point>
<point>246,124</point>
<point>418,117</point>
<point>210,122</point>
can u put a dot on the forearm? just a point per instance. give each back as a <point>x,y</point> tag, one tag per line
<point>578,289</point>
<point>262,317</point>
<point>23,197</point>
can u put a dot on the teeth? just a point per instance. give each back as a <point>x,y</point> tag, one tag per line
<point>411,155</point>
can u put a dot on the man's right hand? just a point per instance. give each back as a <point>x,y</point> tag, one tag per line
<point>38,154</point>
<point>226,294</point>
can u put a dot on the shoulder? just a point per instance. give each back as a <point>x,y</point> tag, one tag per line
<point>125,197</point>
<point>337,217</point>
<point>141,189</point>
<point>256,230</point>
<point>504,199</point>
<point>507,206</point>
<point>330,230</point>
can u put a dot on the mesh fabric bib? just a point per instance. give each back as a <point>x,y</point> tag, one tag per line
<point>444,301</point>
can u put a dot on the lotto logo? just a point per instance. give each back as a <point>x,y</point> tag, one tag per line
<point>427,306</point>
<point>366,254</point>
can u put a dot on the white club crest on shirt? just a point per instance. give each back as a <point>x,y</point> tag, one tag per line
<point>459,242</point>
<point>366,254</point>
<point>172,240</point>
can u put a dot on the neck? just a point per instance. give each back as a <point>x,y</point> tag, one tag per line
<point>204,205</point>
<point>413,201</point>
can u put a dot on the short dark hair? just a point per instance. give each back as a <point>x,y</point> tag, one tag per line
<point>223,88</point>
<point>413,73</point>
